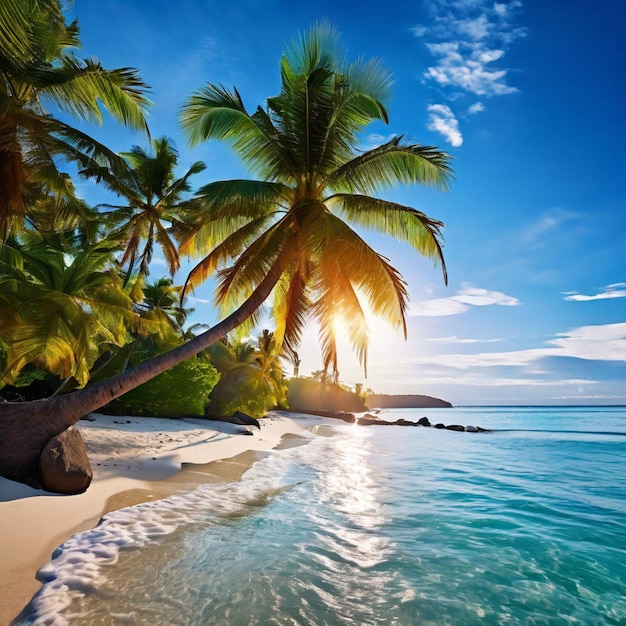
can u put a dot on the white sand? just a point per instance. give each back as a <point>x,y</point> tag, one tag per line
<point>132,459</point>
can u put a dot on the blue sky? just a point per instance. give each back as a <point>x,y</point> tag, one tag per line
<point>529,98</point>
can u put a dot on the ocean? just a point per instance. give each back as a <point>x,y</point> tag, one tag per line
<point>375,525</point>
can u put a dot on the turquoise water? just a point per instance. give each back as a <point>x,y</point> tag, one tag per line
<point>375,525</point>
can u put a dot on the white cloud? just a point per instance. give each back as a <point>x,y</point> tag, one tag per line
<point>455,339</point>
<point>616,290</point>
<point>373,140</point>
<point>467,297</point>
<point>467,39</point>
<point>592,343</point>
<point>195,300</point>
<point>442,120</point>
<point>419,30</point>
<point>476,108</point>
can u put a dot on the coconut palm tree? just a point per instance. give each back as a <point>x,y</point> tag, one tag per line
<point>154,204</point>
<point>315,181</point>
<point>285,232</point>
<point>36,65</point>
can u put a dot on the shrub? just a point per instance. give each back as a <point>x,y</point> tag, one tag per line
<point>182,390</point>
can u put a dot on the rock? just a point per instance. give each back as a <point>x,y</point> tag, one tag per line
<point>63,464</point>
<point>424,421</point>
<point>440,426</point>
<point>403,422</point>
<point>471,429</point>
<point>367,421</point>
<point>456,427</point>
<point>246,419</point>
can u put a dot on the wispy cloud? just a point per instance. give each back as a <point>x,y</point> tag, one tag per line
<point>616,290</point>
<point>460,340</point>
<point>468,39</point>
<point>195,300</point>
<point>592,343</point>
<point>476,108</point>
<point>547,223</point>
<point>466,298</point>
<point>442,120</point>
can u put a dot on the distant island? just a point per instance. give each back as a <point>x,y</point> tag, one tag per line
<point>411,401</point>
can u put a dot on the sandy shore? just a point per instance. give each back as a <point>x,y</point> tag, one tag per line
<point>134,460</point>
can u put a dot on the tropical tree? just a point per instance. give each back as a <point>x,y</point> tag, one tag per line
<point>161,302</point>
<point>58,310</point>
<point>294,221</point>
<point>285,233</point>
<point>154,204</point>
<point>37,65</point>
<point>251,378</point>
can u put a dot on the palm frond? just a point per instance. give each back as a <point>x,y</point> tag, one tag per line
<point>229,248</point>
<point>213,112</point>
<point>390,164</point>
<point>400,222</point>
<point>291,306</point>
<point>79,87</point>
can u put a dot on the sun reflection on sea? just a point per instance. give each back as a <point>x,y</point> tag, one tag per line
<point>349,483</point>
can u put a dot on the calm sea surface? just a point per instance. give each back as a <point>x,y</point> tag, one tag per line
<point>375,525</point>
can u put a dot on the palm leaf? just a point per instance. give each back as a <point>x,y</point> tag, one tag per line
<point>399,221</point>
<point>390,164</point>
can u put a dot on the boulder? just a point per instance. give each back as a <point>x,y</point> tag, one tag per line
<point>245,419</point>
<point>471,429</point>
<point>456,427</point>
<point>63,464</point>
<point>440,426</point>
<point>424,421</point>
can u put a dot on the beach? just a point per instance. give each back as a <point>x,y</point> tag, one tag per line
<point>363,524</point>
<point>133,460</point>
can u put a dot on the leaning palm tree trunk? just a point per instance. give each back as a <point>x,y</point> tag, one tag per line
<point>26,427</point>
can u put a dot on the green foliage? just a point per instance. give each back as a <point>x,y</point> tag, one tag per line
<point>182,390</point>
<point>251,377</point>
<point>252,396</point>
<point>38,68</point>
<point>153,208</point>
<point>311,395</point>
<point>59,310</point>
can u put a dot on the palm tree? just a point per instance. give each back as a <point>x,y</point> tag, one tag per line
<point>267,357</point>
<point>35,65</point>
<point>250,376</point>
<point>285,232</point>
<point>161,301</point>
<point>154,197</point>
<point>58,310</point>
<point>294,221</point>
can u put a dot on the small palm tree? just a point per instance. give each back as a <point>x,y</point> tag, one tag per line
<point>250,376</point>
<point>154,204</point>
<point>35,65</point>
<point>161,301</point>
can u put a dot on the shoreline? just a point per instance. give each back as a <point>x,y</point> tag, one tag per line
<point>134,460</point>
